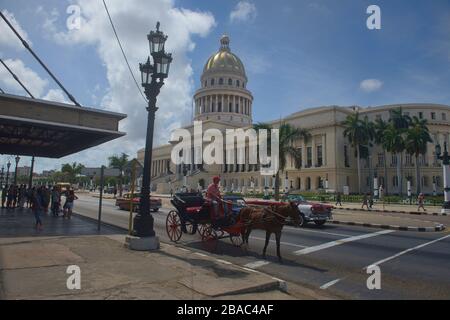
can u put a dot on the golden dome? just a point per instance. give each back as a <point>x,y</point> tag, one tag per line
<point>224,60</point>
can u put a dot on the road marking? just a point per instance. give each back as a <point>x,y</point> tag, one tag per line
<point>200,254</point>
<point>329,284</point>
<point>406,251</point>
<point>317,231</point>
<point>223,261</point>
<point>256,264</point>
<point>281,242</point>
<point>341,241</point>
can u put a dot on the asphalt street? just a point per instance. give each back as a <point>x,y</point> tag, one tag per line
<point>413,265</point>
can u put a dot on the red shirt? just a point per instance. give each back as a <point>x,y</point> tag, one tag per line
<point>213,192</point>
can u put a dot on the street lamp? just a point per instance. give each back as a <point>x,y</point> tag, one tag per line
<point>152,76</point>
<point>17,158</point>
<point>8,165</point>
<point>446,172</point>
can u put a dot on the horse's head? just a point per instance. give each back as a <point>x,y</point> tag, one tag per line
<point>294,212</point>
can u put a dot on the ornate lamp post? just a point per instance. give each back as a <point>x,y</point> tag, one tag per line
<point>17,158</point>
<point>8,165</point>
<point>446,172</point>
<point>153,76</point>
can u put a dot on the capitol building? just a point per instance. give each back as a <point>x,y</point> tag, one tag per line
<point>224,101</point>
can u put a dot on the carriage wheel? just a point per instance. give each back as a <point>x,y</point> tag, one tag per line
<point>209,237</point>
<point>236,240</point>
<point>173,226</point>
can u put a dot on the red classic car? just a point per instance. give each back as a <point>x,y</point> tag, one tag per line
<point>319,213</point>
<point>124,202</point>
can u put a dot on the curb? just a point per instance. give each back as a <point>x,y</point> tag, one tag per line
<point>437,228</point>
<point>396,211</point>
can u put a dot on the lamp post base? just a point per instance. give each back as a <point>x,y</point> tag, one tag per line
<point>142,243</point>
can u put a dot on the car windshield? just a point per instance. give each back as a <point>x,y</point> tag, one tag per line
<point>296,198</point>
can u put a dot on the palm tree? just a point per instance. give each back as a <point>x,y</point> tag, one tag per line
<point>380,128</point>
<point>71,170</point>
<point>119,162</point>
<point>394,143</point>
<point>359,133</point>
<point>400,124</point>
<point>417,138</point>
<point>287,135</point>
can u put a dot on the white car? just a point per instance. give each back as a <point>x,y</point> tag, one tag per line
<point>319,213</point>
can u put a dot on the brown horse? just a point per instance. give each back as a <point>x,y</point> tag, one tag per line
<point>271,219</point>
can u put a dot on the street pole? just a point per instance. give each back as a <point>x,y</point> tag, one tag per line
<point>102,170</point>
<point>8,165</point>
<point>15,172</point>
<point>30,180</point>
<point>446,172</point>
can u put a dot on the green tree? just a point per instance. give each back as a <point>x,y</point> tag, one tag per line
<point>71,171</point>
<point>399,124</point>
<point>359,134</point>
<point>417,137</point>
<point>119,162</point>
<point>380,127</point>
<point>287,136</point>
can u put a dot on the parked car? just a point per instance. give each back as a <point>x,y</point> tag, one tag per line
<point>124,202</point>
<point>237,203</point>
<point>319,213</point>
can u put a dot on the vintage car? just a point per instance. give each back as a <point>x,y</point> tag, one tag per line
<point>319,213</point>
<point>124,202</point>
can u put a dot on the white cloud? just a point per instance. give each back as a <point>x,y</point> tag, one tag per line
<point>370,85</point>
<point>56,95</point>
<point>7,36</point>
<point>31,80</point>
<point>175,99</point>
<point>244,11</point>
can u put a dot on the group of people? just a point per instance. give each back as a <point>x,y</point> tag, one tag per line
<point>40,199</point>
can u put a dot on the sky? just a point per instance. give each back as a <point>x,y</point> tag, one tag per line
<point>297,54</point>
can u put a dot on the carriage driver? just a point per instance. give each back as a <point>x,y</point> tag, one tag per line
<point>213,194</point>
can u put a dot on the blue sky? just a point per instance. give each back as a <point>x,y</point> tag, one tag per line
<point>297,54</point>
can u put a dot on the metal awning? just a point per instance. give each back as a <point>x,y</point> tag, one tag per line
<point>33,127</point>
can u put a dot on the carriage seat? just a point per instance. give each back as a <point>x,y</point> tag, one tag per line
<point>193,209</point>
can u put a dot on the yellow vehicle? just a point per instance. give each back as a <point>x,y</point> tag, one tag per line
<point>64,186</point>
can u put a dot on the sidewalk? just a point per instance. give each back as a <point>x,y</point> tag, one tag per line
<point>34,266</point>
<point>398,208</point>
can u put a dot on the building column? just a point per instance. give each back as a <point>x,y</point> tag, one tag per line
<point>313,151</point>
<point>324,153</point>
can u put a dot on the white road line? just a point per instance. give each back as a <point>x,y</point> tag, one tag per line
<point>317,231</point>
<point>223,261</point>
<point>200,254</point>
<point>329,284</point>
<point>281,242</point>
<point>341,241</point>
<point>406,251</point>
<point>256,264</point>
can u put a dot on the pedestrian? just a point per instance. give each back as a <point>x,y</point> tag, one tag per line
<point>338,199</point>
<point>421,202</point>
<point>37,208</point>
<point>370,201</point>
<point>56,201</point>
<point>4,195</point>
<point>22,196</point>
<point>115,191</point>
<point>10,197</point>
<point>68,205</point>
<point>365,202</point>
<point>46,198</point>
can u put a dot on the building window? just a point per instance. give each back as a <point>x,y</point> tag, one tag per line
<point>308,183</point>
<point>409,160</point>
<point>393,160</point>
<point>243,85</point>
<point>381,181</point>
<point>424,181</point>
<point>395,181</point>
<point>346,159</point>
<point>420,115</point>
<point>309,157</point>
<point>212,82</point>
<point>433,116</point>
<point>230,106</point>
<point>444,116</point>
<point>236,108</point>
<point>220,107</point>
<point>300,158</point>
<point>381,159</point>
<point>238,83</point>
<point>368,181</point>
<point>438,181</point>
<point>319,156</point>
<point>221,81</point>
<point>230,82</point>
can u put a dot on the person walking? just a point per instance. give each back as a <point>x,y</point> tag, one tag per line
<point>4,195</point>
<point>56,201</point>
<point>370,201</point>
<point>365,202</point>
<point>37,208</point>
<point>338,199</point>
<point>68,205</point>
<point>10,197</point>
<point>421,202</point>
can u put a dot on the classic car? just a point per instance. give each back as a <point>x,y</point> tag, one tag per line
<point>124,202</point>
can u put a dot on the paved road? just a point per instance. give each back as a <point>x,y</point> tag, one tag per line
<point>333,257</point>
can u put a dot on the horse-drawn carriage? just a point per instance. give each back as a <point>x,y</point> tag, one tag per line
<point>231,217</point>
<point>195,214</point>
